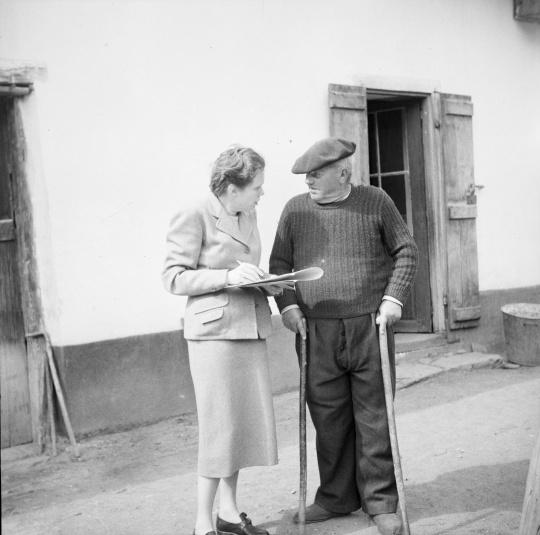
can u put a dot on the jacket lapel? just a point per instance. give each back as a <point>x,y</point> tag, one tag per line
<point>240,231</point>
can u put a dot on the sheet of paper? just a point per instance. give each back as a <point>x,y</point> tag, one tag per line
<point>285,280</point>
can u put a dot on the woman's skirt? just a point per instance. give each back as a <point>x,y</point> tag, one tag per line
<point>234,405</point>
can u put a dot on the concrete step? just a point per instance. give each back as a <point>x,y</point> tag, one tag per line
<point>415,341</point>
<point>410,371</point>
<point>415,345</point>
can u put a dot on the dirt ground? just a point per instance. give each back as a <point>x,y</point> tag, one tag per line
<point>465,439</point>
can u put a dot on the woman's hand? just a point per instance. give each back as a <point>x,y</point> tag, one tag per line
<point>245,272</point>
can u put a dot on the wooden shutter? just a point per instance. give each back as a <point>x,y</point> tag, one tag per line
<point>348,120</point>
<point>527,10</point>
<point>457,163</point>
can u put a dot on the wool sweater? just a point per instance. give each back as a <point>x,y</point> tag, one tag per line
<point>362,244</point>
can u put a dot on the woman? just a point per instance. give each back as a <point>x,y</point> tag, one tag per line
<point>211,247</point>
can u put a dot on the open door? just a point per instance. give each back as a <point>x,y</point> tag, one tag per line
<point>389,155</point>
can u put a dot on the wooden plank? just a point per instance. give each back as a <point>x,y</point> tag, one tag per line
<point>347,97</point>
<point>462,211</point>
<point>530,514</point>
<point>457,156</point>
<point>350,122</point>
<point>16,421</point>
<point>14,390</point>
<point>466,313</point>
<point>436,209</point>
<point>14,145</point>
<point>421,291</point>
<point>458,107</point>
<point>13,90</point>
<point>16,72</point>
<point>527,10</point>
<point>36,353</point>
<point>462,256</point>
<point>16,425</point>
<point>31,296</point>
<point>25,230</point>
<point>7,230</point>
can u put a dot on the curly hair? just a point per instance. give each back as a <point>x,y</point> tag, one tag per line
<point>237,165</point>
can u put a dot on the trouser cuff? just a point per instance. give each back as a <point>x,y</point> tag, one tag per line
<point>380,509</point>
<point>333,508</point>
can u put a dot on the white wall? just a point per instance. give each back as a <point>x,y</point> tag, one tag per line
<point>141,96</point>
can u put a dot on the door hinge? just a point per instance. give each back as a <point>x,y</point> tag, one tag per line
<point>445,300</point>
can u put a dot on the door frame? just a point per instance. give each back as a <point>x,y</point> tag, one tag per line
<point>16,85</point>
<point>348,113</point>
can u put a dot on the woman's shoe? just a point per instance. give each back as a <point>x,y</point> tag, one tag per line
<point>245,527</point>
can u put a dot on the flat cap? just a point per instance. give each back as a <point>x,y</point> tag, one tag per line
<point>324,152</point>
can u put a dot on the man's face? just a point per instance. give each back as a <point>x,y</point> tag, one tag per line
<point>327,183</point>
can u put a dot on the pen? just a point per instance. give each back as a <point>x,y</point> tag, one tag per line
<point>260,272</point>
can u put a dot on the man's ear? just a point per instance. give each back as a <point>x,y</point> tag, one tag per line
<point>232,189</point>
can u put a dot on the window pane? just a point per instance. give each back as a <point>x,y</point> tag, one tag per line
<point>374,181</point>
<point>390,140</point>
<point>372,143</point>
<point>395,187</point>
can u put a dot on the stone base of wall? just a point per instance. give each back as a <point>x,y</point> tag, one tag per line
<point>116,384</point>
<point>490,331</point>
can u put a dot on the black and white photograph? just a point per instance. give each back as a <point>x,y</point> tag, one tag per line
<point>270,267</point>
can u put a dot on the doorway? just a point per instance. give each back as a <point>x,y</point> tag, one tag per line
<point>396,165</point>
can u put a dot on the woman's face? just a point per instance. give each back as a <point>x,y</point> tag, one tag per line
<point>246,199</point>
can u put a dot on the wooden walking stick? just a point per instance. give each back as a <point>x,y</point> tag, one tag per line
<point>389,397</point>
<point>302,442</point>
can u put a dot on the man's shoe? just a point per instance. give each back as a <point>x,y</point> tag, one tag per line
<point>316,513</point>
<point>388,523</point>
<point>245,527</point>
<point>214,532</point>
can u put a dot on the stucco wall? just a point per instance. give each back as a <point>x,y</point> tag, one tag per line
<point>139,97</point>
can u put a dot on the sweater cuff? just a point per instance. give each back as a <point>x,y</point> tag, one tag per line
<point>393,299</point>
<point>288,298</point>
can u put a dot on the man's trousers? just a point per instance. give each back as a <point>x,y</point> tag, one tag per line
<point>345,396</point>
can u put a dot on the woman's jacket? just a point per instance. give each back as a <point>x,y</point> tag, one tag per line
<point>203,243</point>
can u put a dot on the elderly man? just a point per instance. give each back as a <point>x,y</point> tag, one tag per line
<point>356,234</point>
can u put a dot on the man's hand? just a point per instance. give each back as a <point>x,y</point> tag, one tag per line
<point>295,321</point>
<point>389,313</point>
<point>272,289</point>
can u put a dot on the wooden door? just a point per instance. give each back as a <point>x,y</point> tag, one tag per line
<point>464,308</point>
<point>396,164</point>
<point>16,424</point>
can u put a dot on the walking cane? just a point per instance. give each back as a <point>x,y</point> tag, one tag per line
<point>303,460</point>
<point>388,395</point>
